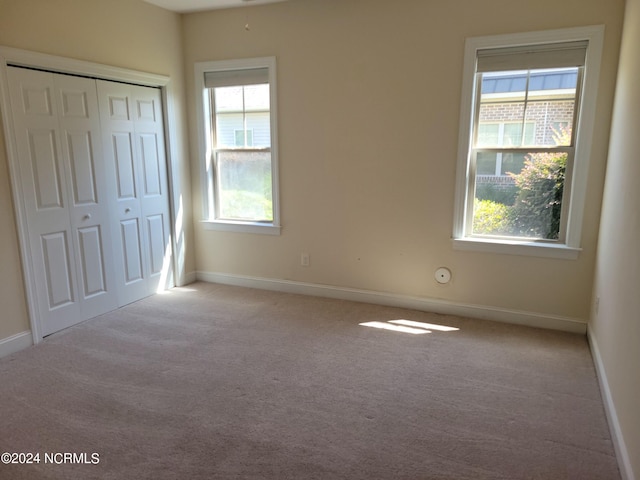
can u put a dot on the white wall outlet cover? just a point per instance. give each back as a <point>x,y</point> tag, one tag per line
<point>443,275</point>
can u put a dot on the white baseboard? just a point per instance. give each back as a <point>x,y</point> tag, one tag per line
<point>531,319</point>
<point>15,343</point>
<point>624,461</point>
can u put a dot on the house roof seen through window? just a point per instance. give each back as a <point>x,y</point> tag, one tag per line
<point>504,82</point>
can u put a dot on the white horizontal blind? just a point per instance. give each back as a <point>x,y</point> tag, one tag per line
<point>233,78</point>
<point>526,57</point>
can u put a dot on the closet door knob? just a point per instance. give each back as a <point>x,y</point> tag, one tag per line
<point>127,210</point>
<point>87,216</point>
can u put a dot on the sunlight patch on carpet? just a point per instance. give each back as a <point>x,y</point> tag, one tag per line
<point>409,326</point>
<point>427,326</point>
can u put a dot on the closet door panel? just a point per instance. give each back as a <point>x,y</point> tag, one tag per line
<point>121,173</point>
<point>149,129</point>
<point>44,188</point>
<point>133,128</point>
<point>79,124</point>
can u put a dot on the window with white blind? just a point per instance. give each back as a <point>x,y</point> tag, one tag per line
<point>238,140</point>
<point>527,116</point>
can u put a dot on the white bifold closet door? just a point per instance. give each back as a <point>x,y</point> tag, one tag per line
<point>82,248</point>
<point>133,139</point>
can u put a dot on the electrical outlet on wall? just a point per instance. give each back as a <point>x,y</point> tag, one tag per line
<point>304,259</point>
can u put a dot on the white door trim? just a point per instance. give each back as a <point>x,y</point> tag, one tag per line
<point>24,58</point>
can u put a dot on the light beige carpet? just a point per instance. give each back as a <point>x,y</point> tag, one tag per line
<point>218,382</point>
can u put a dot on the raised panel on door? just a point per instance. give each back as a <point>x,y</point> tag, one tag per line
<point>117,102</point>
<point>35,94</point>
<point>151,167</point>
<point>123,157</point>
<point>83,170</point>
<point>132,243</point>
<point>45,169</point>
<point>94,263</point>
<point>158,240</point>
<point>57,269</point>
<point>149,130</point>
<point>79,121</point>
<point>44,189</point>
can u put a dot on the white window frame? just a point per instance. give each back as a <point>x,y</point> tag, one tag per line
<point>570,248</point>
<point>205,153</point>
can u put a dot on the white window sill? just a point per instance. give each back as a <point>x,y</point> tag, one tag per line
<point>242,227</point>
<point>516,247</point>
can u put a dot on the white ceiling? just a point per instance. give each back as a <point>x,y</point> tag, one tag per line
<point>185,6</point>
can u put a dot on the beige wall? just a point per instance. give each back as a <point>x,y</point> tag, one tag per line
<point>615,325</point>
<point>124,33</point>
<point>369,99</point>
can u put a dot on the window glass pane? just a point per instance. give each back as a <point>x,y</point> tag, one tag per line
<point>551,105</point>
<point>523,204</point>
<point>244,186</point>
<point>547,106</point>
<point>227,124</point>
<point>502,102</point>
<point>512,163</point>
<point>244,138</point>
<point>512,134</point>
<point>504,134</point>
<point>519,194</point>
<point>506,119</point>
<point>243,179</point>
<point>256,97</point>
<point>486,163</point>
<point>259,124</point>
<point>553,120</point>
<point>242,112</point>
<point>508,84</point>
<point>529,133</point>
<point>488,134</point>
<point>229,99</point>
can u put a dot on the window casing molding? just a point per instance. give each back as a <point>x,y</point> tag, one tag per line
<point>569,247</point>
<point>206,147</point>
